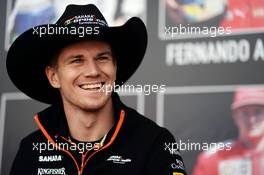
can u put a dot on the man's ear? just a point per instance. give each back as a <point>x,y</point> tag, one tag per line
<point>52,76</point>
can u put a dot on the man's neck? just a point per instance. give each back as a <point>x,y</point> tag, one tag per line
<point>89,125</point>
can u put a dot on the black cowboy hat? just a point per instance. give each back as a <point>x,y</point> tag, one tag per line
<point>32,51</point>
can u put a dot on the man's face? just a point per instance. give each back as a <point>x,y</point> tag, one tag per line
<point>250,120</point>
<point>80,72</point>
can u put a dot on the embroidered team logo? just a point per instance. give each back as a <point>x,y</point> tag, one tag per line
<point>119,159</point>
<point>85,19</point>
<point>52,158</point>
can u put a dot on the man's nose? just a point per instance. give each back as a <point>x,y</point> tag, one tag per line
<point>91,69</point>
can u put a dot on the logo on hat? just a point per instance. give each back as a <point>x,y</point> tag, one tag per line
<point>85,19</point>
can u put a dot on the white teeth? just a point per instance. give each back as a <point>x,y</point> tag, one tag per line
<point>91,86</point>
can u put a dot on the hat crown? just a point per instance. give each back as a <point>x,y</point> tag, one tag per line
<point>249,93</point>
<point>248,96</point>
<point>82,15</point>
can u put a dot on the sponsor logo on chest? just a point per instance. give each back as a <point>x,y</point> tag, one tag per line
<point>118,159</point>
<point>52,158</point>
<point>42,171</point>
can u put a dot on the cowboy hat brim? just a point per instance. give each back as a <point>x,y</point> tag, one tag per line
<point>30,53</point>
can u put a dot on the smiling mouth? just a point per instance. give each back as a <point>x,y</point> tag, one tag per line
<point>92,86</point>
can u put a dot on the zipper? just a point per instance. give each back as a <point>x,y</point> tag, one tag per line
<point>83,164</point>
<point>119,124</point>
<point>80,170</point>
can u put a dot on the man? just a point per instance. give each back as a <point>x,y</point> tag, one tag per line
<point>246,154</point>
<point>87,129</point>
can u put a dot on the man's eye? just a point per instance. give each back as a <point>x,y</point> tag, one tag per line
<point>76,60</point>
<point>259,112</point>
<point>102,58</point>
<point>243,114</point>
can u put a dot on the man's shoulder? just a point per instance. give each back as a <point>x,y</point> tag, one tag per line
<point>138,119</point>
<point>143,124</point>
